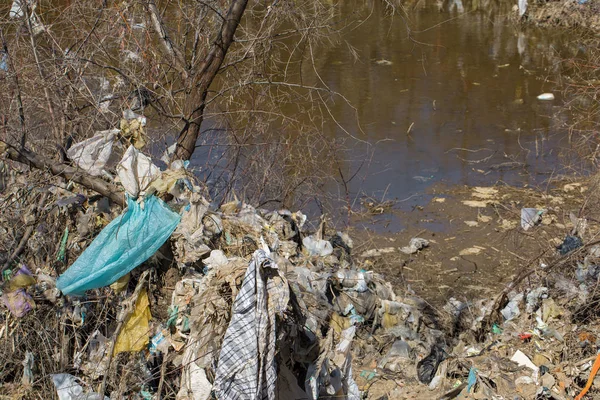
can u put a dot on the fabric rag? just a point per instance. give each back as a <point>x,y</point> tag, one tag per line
<point>246,368</point>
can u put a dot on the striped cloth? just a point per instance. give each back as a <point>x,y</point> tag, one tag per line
<point>246,368</point>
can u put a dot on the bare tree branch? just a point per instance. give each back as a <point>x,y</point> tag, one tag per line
<point>165,40</point>
<point>91,182</point>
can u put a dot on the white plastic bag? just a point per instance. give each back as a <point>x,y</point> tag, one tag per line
<point>67,388</point>
<point>92,154</point>
<point>16,10</point>
<point>522,7</point>
<point>317,247</point>
<point>530,217</point>
<point>136,171</point>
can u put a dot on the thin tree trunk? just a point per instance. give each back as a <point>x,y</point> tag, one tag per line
<point>186,143</point>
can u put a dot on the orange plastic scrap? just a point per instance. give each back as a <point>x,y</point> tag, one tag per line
<point>590,381</point>
<point>525,336</point>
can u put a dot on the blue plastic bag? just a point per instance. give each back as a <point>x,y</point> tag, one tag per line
<point>129,240</point>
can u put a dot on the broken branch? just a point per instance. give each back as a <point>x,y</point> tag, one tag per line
<point>91,182</point>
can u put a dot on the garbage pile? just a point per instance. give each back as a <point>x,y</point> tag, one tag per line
<point>174,297</point>
<point>539,341</point>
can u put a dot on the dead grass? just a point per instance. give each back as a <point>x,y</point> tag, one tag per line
<point>567,14</point>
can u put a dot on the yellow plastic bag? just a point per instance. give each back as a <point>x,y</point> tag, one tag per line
<point>121,284</point>
<point>135,332</point>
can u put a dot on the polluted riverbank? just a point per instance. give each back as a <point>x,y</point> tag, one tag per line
<point>173,297</point>
<point>123,279</point>
<point>567,14</point>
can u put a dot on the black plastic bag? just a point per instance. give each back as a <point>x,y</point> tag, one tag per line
<point>427,367</point>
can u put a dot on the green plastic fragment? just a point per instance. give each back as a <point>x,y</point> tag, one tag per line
<point>62,251</point>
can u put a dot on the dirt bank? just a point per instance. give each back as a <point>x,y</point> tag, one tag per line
<point>476,240</point>
<point>566,13</point>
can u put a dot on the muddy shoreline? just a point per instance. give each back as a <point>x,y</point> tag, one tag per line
<point>584,14</point>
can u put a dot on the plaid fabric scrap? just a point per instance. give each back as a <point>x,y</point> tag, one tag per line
<point>246,368</point>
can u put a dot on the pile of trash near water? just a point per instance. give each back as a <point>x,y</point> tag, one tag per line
<point>176,298</point>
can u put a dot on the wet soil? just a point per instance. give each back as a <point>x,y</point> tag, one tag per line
<point>477,243</point>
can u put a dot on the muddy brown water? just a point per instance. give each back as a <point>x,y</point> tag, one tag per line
<point>447,93</point>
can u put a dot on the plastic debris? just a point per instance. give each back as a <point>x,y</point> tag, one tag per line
<point>520,358</point>
<point>511,310</point>
<point>194,231</point>
<point>545,96</point>
<point>415,245</point>
<point>197,386</point>
<point>534,298</point>
<point>244,323</point>
<point>590,381</point>
<point>422,179</point>
<point>136,171</point>
<point>317,247</point>
<point>125,243</point>
<point>121,284</point>
<point>158,343</point>
<point>96,363</point>
<point>353,280</point>
<point>62,250</point>
<point>547,330</point>
<point>569,244</point>
<point>17,10</point>
<point>530,217</point>
<point>216,259</point>
<point>27,378</point>
<point>399,351</point>
<point>15,298</point>
<point>472,379</point>
<point>496,329</point>
<point>132,125</point>
<point>3,61</point>
<point>522,9</point>
<point>427,367</point>
<point>67,388</point>
<point>134,335</point>
<point>525,336</point>
<point>92,154</point>
<point>378,252</point>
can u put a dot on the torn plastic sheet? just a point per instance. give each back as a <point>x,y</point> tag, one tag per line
<point>530,217</point>
<point>134,335</point>
<point>67,388</point>
<point>92,154</point>
<point>136,171</point>
<point>197,385</point>
<point>27,378</point>
<point>17,10</point>
<point>415,245</point>
<point>129,240</point>
<point>317,247</point>
<point>522,7</point>
<point>15,298</point>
